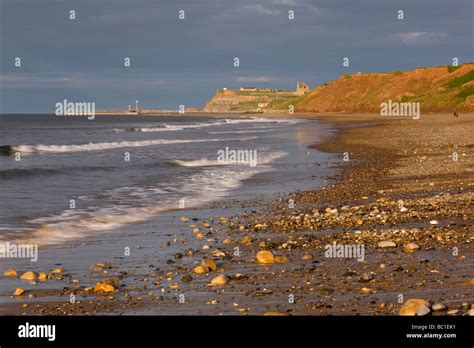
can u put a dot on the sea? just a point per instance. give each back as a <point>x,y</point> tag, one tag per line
<point>67,178</point>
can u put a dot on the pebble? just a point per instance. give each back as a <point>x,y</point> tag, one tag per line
<point>260,226</point>
<point>187,278</point>
<point>422,310</point>
<point>209,264</point>
<point>387,244</point>
<point>366,277</point>
<point>100,266</point>
<point>281,259</point>
<point>439,307</point>
<point>106,286</point>
<point>411,305</point>
<point>10,273</point>
<point>200,269</point>
<point>452,312</point>
<point>28,276</point>
<point>218,253</point>
<point>265,257</point>
<point>246,240</point>
<point>411,247</point>
<point>18,292</point>
<point>42,276</point>
<point>58,270</point>
<point>220,280</point>
<point>434,222</point>
<point>470,312</point>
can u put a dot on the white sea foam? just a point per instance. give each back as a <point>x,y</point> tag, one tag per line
<point>196,189</point>
<point>220,122</point>
<point>107,146</point>
<point>204,162</point>
<point>243,131</point>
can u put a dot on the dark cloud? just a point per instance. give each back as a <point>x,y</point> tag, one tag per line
<point>177,62</point>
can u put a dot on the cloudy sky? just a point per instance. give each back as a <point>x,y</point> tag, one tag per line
<point>177,61</point>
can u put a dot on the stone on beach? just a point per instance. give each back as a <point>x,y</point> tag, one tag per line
<point>187,278</point>
<point>410,307</point>
<point>100,266</point>
<point>439,307</point>
<point>265,257</point>
<point>10,273</point>
<point>28,276</point>
<point>281,259</point>
<point>366,290</point>
<point>18,292</point>
<point>246,240</point>
<point>220,280</point>
<point>58,270</point>
<point>200,269</point>
<point>365,277</point>
<point>42,276</point>
<point>260,226</point>
<point>106,286</point>
<point>411,247</point>
<point>387,244</point>
<point>209,264</point>
<point>422,310</point>
<point>218,253</point>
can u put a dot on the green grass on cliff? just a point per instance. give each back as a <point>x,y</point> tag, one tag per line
<point>461,80</point>
<point>466,92</point>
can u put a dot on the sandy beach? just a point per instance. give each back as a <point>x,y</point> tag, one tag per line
<point>403,192</point>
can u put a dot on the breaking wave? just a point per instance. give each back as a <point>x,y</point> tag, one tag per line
<point>11,149</point>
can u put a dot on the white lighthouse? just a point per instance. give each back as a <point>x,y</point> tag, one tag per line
<point>136,107</point>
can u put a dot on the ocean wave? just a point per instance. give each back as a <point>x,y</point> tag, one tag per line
<point>40,148</point>
<point>243,131</point>
<point>197,189</point>
<point>220,122</point>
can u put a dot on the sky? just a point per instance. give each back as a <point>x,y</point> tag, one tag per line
<point>184,61</point>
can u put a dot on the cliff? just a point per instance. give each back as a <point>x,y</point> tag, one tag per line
<point>443,88</point>
<point>246,101</point>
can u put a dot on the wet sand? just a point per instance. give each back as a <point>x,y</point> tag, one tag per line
<point>389,160</point>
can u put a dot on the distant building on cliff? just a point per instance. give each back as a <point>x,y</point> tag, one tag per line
<point>301,88</point>
<point>248,89</point>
